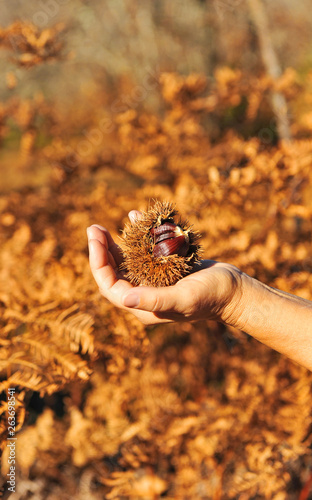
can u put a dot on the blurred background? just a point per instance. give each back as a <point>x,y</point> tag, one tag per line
<point>105,106</point>
<point>102,57</point>
<point>109,41</point>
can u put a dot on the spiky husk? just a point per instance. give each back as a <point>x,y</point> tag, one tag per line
<point>141,266</point>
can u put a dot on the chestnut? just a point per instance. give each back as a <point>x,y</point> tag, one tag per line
<point>169,239</point>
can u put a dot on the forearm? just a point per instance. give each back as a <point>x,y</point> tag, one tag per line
<point>280,320</point>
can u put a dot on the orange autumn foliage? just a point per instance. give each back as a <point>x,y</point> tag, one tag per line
<point>178,411</point>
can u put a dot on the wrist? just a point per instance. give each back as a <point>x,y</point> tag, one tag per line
<point>234,311</point>
<point>278,319</point>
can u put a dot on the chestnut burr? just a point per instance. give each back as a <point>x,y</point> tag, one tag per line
<point>159,248</point>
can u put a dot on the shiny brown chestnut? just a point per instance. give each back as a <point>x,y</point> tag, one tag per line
<point>163,232</point>
<point>169,239</point>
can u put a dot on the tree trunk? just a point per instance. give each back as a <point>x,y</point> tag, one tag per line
<point>271,64</point>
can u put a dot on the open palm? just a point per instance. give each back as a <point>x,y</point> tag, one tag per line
<point>210,292</point>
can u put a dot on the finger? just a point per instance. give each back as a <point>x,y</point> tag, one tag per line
<point>96,232</point>
<point>102,270</point>
<point>150,318</point>
<point>112,288</point>
<point>104,273</point>
<point>163,299</point>
<point>134,215</point>
<point>100,233</point>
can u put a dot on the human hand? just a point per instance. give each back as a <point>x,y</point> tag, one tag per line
<point>215,291</point>
<point>212,291</point>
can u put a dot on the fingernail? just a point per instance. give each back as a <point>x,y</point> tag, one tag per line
<point>132,300</point>
<point>134,215</point>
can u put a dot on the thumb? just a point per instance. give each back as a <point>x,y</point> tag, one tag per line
<point>163,299</point>
<point>134,215</point>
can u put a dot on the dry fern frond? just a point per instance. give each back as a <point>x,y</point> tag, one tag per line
<point>19,408</point>
<point>37,347</point>
<point>69,325</point>
<point>29,380</point>
<point>75,327</point>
